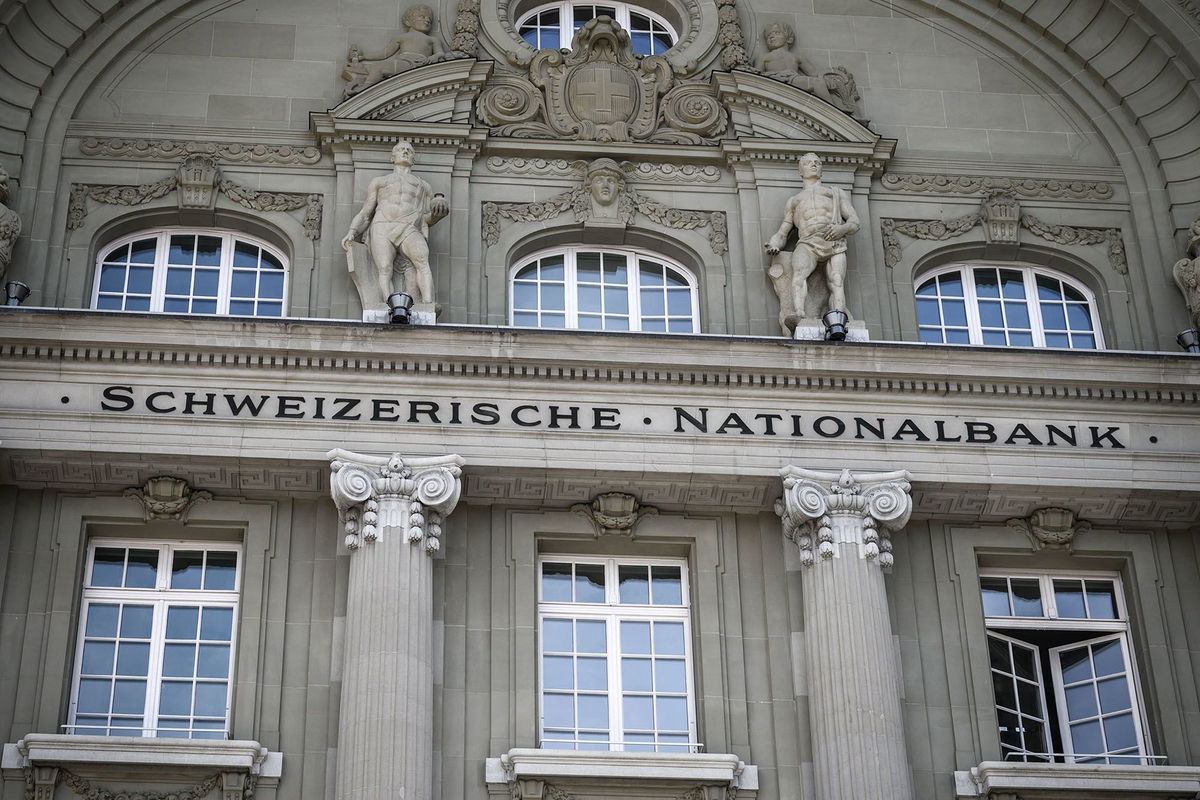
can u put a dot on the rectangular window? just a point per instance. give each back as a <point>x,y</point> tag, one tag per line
<point>1063,675</point>
<point>156,640</point>
<point>615,646</point>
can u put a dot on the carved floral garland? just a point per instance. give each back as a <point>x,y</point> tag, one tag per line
<point>226,151</point>
<point>579,202</point>
<point>979,184</point>
<point>244,196</point>
<point>89,791</point>
<point>940,230</point>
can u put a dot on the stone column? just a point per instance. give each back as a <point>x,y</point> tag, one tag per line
<point>391,512</point>
<point>841,524</point>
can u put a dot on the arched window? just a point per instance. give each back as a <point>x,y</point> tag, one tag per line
<point>191,272</point>
<point>1007,305</point>
<point>553,25</point>
<point>609,289</point>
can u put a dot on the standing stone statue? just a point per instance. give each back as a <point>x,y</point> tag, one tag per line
<point>415,47</point>
<point>1187,274</point>
<point>10,226</point>
<point>823,217</point>
<point>396,215</point>
<point>836,87</point>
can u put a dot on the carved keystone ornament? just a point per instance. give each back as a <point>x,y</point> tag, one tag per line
<point>165,497</point>
<point>1050,528</point>
<point>614,513</point>
<point>601,92</point>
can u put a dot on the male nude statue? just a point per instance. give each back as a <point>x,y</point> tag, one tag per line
<point>398,212</point>
<point>823,217</point>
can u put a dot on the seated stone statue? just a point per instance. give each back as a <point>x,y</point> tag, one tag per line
<point>413,48</point>
<point>836,86</point>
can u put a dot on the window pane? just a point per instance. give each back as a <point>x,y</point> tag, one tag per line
<point>998,654</point>
<point>558,710</point>
<point>986,283</point>
<point>1101,600</point>
<point>593,711</point>
<point>186,569</point>
<point>1086,738</point>
<point>182,622</point>
<point>589,299</point>
<point>133,658</point>
<point>245,284</point>
<point>1013,283</point>
<point>213,661</point>
<point>557,636</point>
<point>1114,694</point>
<point>141,572</point>
<point>679,302</point>
<point>667,585</point>
<point>1053,317</point>
<point>928,312</point>
<point>636,674</point>
<point>669,676</point>
<point>592,674</point>
<point>129,697</point>
<point>1026,597</point>
<point>112,278</point>
<point>1120,732</point>
<point>216,624</point>
<point>990,315</point>
<point>1109,658</point>
<point>179,660</point>
<point>245,255</point>
<point>141,280</point>
<point>587,267</point>
<point>1076,666</point>
<point>556,583</point>
<point>220,573</point>
<point>634,584</point>
<point>551,269</point>
<point>136,621</point>
<point>176,698</point>
<point>954,312</point>
<point>108,566</point>
<point>1081,701</point>
<point>208,251</point>
<point>1019,339</point>
<point>635,637</point>
<point>270,285</point>
<point>995,596</point>
<point>639,712</point>
<point>1005,690</point>
<point>590,636</point>
<point>668,638</point>
<point>1024,662</point>
<point>210,699</point>
<point>94,695</point>
<point>653,303</point>
<point>205,283</point>
<point>182,250</point>
<point>525,295</point>
<point>589,583</point>
<point>557,672</point>
<point>101,620</point>
<point>98,658</point>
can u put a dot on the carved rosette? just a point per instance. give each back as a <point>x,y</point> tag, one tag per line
<point>412,495</point>
<point>821,510</point>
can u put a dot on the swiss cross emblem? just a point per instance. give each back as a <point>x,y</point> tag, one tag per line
<point>603,92</point>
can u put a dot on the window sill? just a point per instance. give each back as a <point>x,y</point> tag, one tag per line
<point>95,752</point>
<point>1091,781</point>
<point>531,773</point>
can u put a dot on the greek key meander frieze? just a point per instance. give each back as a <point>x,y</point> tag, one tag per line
<point>980,184</point>
<point>551,490</point>
<point>173,149</point>
<point>48,471</point>
<point>974,506</point>
<point>197,178</point>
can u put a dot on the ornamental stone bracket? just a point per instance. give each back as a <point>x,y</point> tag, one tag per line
<point>165,497</point>
<point>1050,528</point>
<point>999,780</point>
<point>411,495</point>
<point>614,513</point>
<point>828,514</point>
<point>197,180</point>
<point>1001,216</point>
<point>604,200</point>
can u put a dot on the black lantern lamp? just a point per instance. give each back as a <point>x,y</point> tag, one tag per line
<point>401,305</point>
<point>1189,340</point>
<point>835,325</point>
<point>16,293</point>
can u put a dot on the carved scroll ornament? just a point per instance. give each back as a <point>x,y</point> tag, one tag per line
<point>940,230</point>
<point>196,178</point>
<point>601,92</point>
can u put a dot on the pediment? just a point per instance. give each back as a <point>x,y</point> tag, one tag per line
<point>762,107</point>
<point>442,92</point>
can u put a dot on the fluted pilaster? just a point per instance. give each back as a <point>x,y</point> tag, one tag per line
<point>391,512</point>
<point>842,523</point>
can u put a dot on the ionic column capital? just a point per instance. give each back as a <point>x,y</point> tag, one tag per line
<point>378,493</point>
<point>822,508</point>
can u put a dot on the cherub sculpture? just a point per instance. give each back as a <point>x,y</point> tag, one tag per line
<point>836,86</point>
<point>413,48</point>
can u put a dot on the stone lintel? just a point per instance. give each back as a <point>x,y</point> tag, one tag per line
<point>1066,781</point>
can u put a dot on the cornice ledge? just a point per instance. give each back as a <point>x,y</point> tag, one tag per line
<point>49,749</point>
<point>1065,781</point>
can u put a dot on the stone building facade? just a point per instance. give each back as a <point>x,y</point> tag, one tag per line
<point>605,508</point>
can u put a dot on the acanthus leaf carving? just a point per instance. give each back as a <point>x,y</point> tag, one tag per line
<point>1187,274</point>
<point>171,149</point>
<point>166,497</point>
<point>599,91</point>
<point>605,198</point>
<point>196,178</point>
<point>1050,528</point>
<point>978,184</point>
<point>90,791</point>
<point>10,225</point>
<point>614,513</point>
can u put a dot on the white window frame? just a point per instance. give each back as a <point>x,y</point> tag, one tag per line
<point>1101,629</point>
<point>634,287</point>
<point>612,612</point>
<point>1029,274</point>
<point>160,598</point>
<point>225,276</point>
<point>566,19</point>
